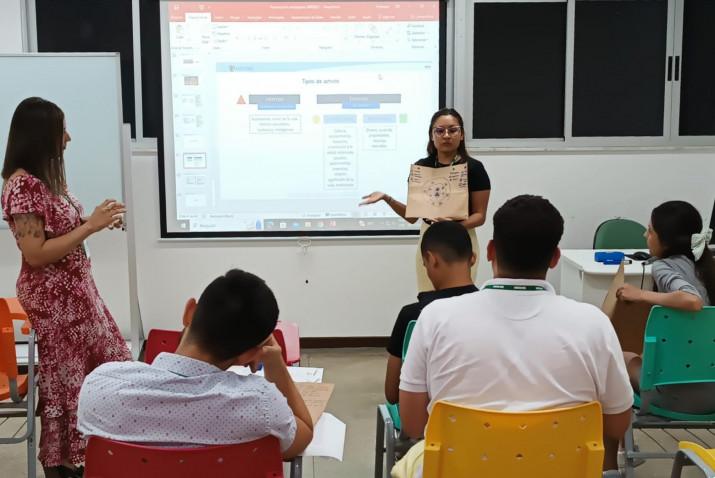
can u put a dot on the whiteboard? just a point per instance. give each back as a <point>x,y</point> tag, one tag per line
<point>86,86</point>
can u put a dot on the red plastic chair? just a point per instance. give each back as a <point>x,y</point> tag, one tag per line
<point>287,336</point>
<point>112,459</point>
<point>161,341</point>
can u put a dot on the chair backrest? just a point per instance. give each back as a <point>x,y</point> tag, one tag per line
<point>286,334</point>
<point>619,234</point>
<point>679,347</point>
<point>408,335</point>
<point>160,341</point>
<point>288,337</point>
<point>10,310</point>
<point>113,459</point>
<point>463,442</point>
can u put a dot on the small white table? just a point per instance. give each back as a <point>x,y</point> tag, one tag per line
<point>585,280</point>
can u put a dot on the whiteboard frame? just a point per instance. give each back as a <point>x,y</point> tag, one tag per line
<point>119,97</point>
<point>136,326</point>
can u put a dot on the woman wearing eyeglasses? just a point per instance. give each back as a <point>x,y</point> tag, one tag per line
<point>446,148</point>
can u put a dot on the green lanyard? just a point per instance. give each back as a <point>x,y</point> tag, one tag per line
<point>528,288</point>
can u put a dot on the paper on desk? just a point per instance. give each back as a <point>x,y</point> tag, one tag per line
<point>328,438</point>
<point>315,396</point>
<point>298,374</point>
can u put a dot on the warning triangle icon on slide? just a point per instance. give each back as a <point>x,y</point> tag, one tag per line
<point>241,100</point>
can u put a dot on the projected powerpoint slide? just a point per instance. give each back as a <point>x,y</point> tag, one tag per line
<point>285,114</point>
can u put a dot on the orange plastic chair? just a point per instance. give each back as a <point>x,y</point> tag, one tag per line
<point>161,341</point>
<point>12,385</point>
<point>288,337</point>
<point>463,442</point>
<point>17,391</point>
<point>113,459</point>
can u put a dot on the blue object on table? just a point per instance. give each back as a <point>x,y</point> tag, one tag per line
<point>609,257</point>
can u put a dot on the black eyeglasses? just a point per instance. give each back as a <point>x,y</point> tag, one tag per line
<point>452,130</point>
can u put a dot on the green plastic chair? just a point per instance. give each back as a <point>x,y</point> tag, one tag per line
<point>388,420</point>
<point>620,233</point>
<point>679,348</point>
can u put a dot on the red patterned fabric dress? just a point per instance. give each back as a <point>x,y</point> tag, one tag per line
<point>75,331</point>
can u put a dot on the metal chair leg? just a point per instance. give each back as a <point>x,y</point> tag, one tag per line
<point>678,463</point>
<point>32,429</point>
<point>379,445</point>
<point>296,467</point>
<point>629,448</point>
<point>31,456</point>
<point>389,447</point>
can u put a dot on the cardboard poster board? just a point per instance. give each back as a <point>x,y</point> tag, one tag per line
<point>628,318</point>
<point>438,192</point>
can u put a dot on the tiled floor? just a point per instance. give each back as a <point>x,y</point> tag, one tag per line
<point>358,377</point>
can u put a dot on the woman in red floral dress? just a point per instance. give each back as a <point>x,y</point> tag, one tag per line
<point>75,331</point>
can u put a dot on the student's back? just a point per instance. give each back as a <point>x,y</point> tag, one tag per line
<point>515,345</point>
<point>178,401</point>
<point>507,349</point>
<point>447,256</point>
<point>189,397</point>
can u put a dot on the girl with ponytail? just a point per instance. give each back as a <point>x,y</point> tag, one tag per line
<point>684,277</point>
<point>684,272</point>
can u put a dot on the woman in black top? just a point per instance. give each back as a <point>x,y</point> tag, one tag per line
<point>445,148</point>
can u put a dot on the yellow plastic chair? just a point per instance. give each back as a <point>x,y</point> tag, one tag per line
<point>690,453</point>
<point>464,442</point>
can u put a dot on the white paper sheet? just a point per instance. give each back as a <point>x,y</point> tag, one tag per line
<point>299,374</point>
<point>328,438</point>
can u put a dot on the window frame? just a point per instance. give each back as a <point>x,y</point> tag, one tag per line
<point>677,138</point>
<point>464,71</point>
<point>459,81</point>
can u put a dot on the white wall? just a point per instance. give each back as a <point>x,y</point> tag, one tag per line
<point>11,26</point>
<point>356,287</point>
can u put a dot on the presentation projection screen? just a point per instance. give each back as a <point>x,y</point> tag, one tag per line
<point>279,116</point>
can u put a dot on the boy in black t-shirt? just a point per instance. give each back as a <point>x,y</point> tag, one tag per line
<point>447,256</point>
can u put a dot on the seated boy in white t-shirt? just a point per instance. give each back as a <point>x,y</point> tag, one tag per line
<point>516,345</point>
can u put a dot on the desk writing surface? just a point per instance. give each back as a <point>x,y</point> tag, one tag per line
<point>583,260</point>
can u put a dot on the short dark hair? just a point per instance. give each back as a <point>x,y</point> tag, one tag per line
<point>449,239</point>
<point>235,313</point>
<point>527,231</point>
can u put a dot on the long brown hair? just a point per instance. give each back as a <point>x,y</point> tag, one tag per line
<point>675,222</point>
<point>431,148</point>
<point>35,143</point>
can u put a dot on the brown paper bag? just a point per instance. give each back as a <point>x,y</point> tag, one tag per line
<point>628,318</point>
<point>438,192</point>
<point>316,397</point>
